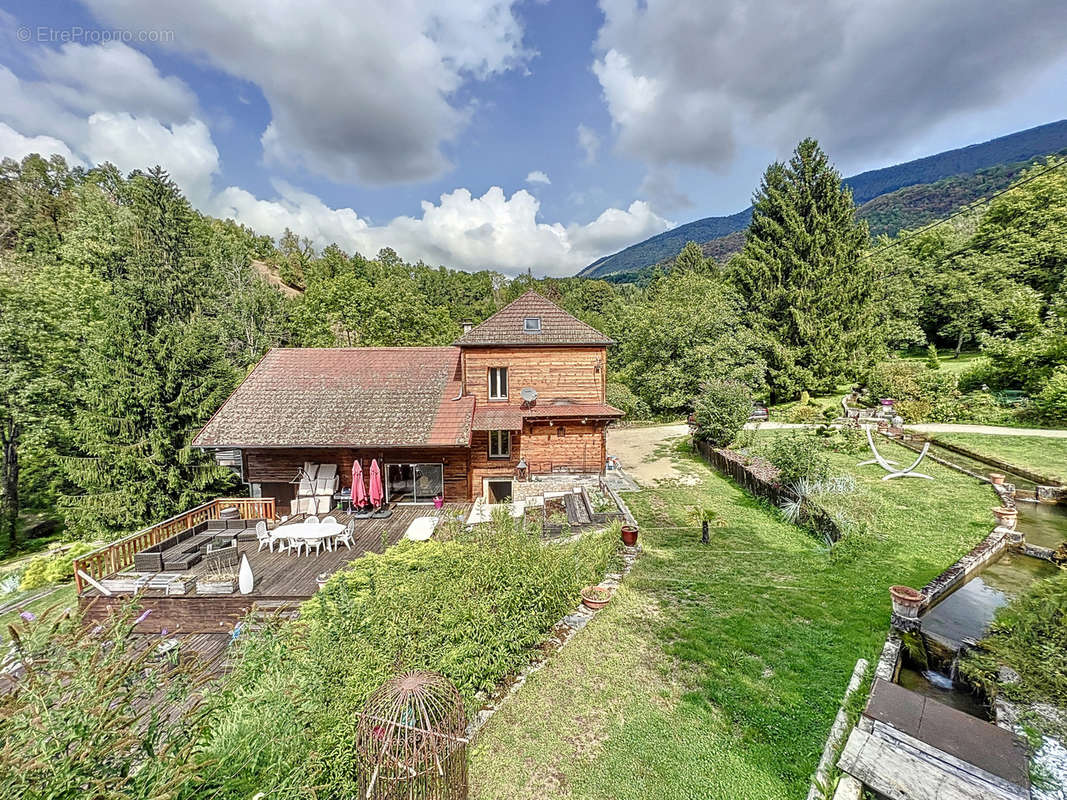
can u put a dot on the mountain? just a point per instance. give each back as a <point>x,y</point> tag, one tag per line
<point>891,198</point>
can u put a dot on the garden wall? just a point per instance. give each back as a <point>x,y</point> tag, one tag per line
<point>759,477</point>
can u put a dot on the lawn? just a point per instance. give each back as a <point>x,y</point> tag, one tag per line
<point>63,597</point>
<point>716,670</point>
<point>1039,454</point>
<point>967,359</point>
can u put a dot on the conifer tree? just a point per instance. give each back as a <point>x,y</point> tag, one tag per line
<point>806,290</point>
<point>154,375</point>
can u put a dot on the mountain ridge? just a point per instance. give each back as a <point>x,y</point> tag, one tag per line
<point>1009,150</point>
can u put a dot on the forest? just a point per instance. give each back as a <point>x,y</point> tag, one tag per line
<point>127,317</point>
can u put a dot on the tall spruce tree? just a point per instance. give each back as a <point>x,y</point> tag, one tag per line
<point>156,371</point>
<point>806,290</point>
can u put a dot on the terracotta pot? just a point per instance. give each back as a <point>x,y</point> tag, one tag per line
<point>1006,517</point>
<point>996,478</point>
<point>629,535</point>
<point>591,603</point>
<point>906,601</point>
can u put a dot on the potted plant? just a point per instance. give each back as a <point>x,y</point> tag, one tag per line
<point>1006,517</point>
<point>629,535</point>
<point>321,578</point>
<point>906,601</point>
<point>595,597</point>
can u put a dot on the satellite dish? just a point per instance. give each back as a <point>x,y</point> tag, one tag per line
<point>528,394</point>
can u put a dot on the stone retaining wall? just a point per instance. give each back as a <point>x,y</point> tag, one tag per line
<point>759,477</point>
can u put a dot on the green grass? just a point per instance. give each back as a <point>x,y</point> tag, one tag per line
<point>1040,454</point>
<point>717,670</point>
<point>62,598</point>
<point>967,358</point>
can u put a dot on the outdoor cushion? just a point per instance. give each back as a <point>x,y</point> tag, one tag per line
<point>421,528</point>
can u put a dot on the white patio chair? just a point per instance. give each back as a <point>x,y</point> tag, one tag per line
<point>263,537</point>
<point>316,543</point>
<point>312,520</point>
<point>346,537</point>
<point>330,520</point>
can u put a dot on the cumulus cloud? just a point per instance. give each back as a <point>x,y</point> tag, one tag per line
<point>185,150</point>
<point>462,231</point>
<point>684,83</point>
<point>14,145</point>
<point>112,77</point>
<point>538,176</point>
<point>589,141</point>
<point>357,91</point>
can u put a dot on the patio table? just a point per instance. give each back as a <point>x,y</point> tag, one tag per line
<point>310,531</point>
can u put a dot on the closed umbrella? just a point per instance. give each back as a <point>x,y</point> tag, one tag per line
<point>359,491</point>
<point>376,493</point>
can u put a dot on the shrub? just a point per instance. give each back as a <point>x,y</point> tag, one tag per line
<point>1050,404</point>
<point>721,411</point>
<point>54,568</point>
<point>472,608</point>
<point>921,394</point>
<point>932,360</point>
<point>805,413</point>
<point>799,456</point>
<point>620,396</point>
<point>75,726</point>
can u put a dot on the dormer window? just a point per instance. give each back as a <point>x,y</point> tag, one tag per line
<point>531,325</point>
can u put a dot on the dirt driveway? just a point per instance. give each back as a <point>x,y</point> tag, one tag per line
<point>643,453</point>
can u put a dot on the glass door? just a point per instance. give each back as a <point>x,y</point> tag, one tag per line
<point>399,483</point>
<point>429,482</point>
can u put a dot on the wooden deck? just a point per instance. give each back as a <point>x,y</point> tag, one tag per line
<point>282,579</point>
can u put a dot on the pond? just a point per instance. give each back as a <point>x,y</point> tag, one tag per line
<point>968,611</point>
<point>1043,524</point>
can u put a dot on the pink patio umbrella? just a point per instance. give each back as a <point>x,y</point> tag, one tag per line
<point>376,492</point>
<point>359,491</point>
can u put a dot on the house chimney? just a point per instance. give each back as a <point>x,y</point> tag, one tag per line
<point>466,325</point>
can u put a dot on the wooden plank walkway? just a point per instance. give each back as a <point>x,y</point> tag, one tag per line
<point>281,578</point>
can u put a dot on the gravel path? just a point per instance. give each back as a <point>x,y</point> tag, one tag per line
<point>636,450</point>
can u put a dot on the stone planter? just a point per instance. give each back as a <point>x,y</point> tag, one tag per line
<point>629,535</point>
<point>996,478</point>
<point>321,578</point>
<point>595,597</point>
<point>906,601</point>
<point>1006,517</point>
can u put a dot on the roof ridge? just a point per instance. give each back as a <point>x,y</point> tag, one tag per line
<point>560,327</point>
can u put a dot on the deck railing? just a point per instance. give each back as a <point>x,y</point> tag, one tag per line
<point>118,555</point>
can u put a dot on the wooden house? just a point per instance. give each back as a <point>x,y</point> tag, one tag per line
<point>520,395</point>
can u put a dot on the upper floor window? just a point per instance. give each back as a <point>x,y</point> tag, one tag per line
<point>500,444</point>
<point>532,324</point>
<point>498,383</point>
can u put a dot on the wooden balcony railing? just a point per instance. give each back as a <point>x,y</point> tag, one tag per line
<point>118,555</point>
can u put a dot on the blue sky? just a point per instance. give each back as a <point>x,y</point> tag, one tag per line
<point>449,130</point>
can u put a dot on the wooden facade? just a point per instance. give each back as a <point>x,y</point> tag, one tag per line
<point>275,469</point>
<point>573,373</point>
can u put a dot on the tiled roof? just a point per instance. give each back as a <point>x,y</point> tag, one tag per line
<point>571,410</point>
<point>354,397</point>
<point>498,418</point>
<point>506,326</point>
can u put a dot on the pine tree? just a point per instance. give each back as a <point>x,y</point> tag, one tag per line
<point>155,372</point>
<point>806,290</point>
<point>932,360</point>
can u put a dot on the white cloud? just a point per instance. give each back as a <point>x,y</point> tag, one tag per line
<point>185,150</point>
<point>589,141</point>
<point>684,83</point>
<point>538,176</point>
<point>358,91</point>
<point>461,231</point>
<point>14,145</point>
<point>113,77</point>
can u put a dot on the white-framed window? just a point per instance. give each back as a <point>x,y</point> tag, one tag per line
<point>532,324</point>
<point>500,444</point>
<point>498,383</point>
